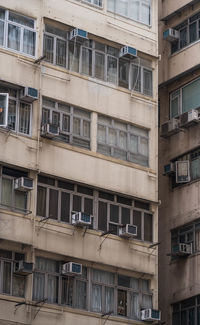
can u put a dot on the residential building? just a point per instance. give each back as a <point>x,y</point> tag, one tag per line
<point>179,162</point>
<point>78,161</point>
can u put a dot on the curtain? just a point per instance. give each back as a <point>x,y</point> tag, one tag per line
<point>38,286</point>
<point>3,99</point>
<point>112,69</point>
<point>146,13</point>
<point>136,78</point>
<point>74,54</point>
<point>122,7</point>
<point>134,11</point>
<point>76,126</point>
<point>147,82</point>
<point>81,294</point>
<point>109,299</point>
<point>48,48</point>
<point>12,115</point>
<point>146,301</point>
<point>122,140</point>
<point>86,129</point>
<point>134,305</point>
<point>86,61</point>
<point>20,200</point>
<point>13,37</point>
<point>52,289</point>
<point>24,118</point>
<point>96,298</point>
<point>99,65</point>
<point>112,137</point>
<point>18,286</point>
<point>101,133</point>
<point>103,277</point>
<point>29,42</point>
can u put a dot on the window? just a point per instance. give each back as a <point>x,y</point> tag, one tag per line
<point>98,3</point>
<point>97,60</point>
<point>193,158</point>
<point>122,141</point>
<point>107,292</point>
<point>16,116</point>
<point>11,283</point>
<point>185,99</point>
<point>9,197</point>
<point>17,32</point>
<point>186,312</point>
<point>73,122</point>
<point>189,32</point>
<point>58,200</point>
<point>188,234</point>
<point>138,10</point>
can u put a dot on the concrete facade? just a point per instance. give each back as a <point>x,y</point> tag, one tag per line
<point>179,212</point>
<point>50,162</point>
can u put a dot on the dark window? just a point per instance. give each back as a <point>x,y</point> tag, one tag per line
<point>88,206</point>
<point>46,180</point>
<point>41,201</point>
<point>77,203</point>
<point>65,207</point>
<point>142,205</point>
<point>53,204</point>
<point>102,216</point>
<point>66,186</point>
<point>84,190</point>
<point>148,227</point>
<point>122,303</point>
<point>114,213</point>
<point>106,196</point>
<point>137,221</point>
<point>124,200</point>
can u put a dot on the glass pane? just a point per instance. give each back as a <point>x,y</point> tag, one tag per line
<point>12,114</point>
<point>103,277</point>
<point>122,303</point>
<point>134,12</point>
<point>137,221</point>
<point>1,32</point>
<point>76,203</point>
<point>147,82</point>
<point>61,53</point>
<point>6,191</point>
<point>74,55</point>
<point>133,143</point>
<point>102,216</point>
<point>86,129</point>
<point>66,123</point>
<point>24,118</point>
<point>20,200</point>
<point>99,65</point>
<point>53,204</point>
<point>193,32</point>
<point>56,118</point>
<point>3,108</point>
<point>123,73</point>
<point>88,206</point>
<point>146,301</point>
<point>67,291</point>
<point>48,102</point>
<point>195,168</point>
<point>112,137</point>
<point>114,213</point>
<point>124,281</point>
<point>136,78</point>
<point>184,318</point>
<point>134,305</point>
<point>18,286</point>
<point>81,294</point>
<point>122,7</point>
<point>29,42</point>
<point>45,116</point>
<point>41,201</point>
<point>143,147</point>
<point>174,105</point>
<point>65,206</point>
<point>76,126</point>
<point>96,298</point>
<point>146,14</point>
<point>101,136</point>
<point>148,231</point>
<point>183,38</point>
<point>123,140</point>
<point>7,277</point>
<point>21,19</point>
<point>111,5</point>
<point>2,13</point>
<point>109,300</point>
<point>134,283</point>
<point>87,61</point>
<point>125,216</point>
<point>14,37</point>
<point>191,96</point>
<point>38,286</point>
<point>191,314</point>
<point>52,289</point>
<point>48,48</point>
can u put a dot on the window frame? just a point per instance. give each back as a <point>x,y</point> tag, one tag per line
<point>18,102</point>
<point>22,28</point>
<point>96,199</point>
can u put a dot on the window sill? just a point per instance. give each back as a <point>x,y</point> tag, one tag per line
<point>11,52</point>
<point>14,210</point>
<point>128,20</point>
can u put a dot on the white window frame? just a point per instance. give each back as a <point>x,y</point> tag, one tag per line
<point>92,2</point>
<point>22,27</point>
<point>18,103</point>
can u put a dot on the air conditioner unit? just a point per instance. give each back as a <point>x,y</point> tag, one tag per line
<point>81,219</point>
<point>171,35</point>
<point>170,127</point>
<point>50,130</point>
<point>29,94</point>
<point>23,268</point>
<point>189,118</point>
<point>150,315</point>
<point>169,169</point>
<point>181,249</point>
<point>72,268</point>
<point>182,171</point>
<point>78,34</point>
<point>24,184</point>
<point>128,231</point>
<point>128,52</point>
